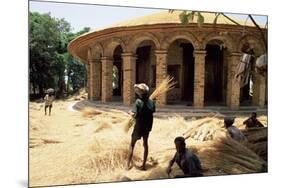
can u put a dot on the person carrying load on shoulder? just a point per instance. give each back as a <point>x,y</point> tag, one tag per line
<point>142,111</point>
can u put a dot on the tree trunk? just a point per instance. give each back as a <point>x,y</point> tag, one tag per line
<point>61,86</point>
<point>41,90</point>
<point>34,88</point>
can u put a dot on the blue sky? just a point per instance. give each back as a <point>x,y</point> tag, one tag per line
<point>98,16</point>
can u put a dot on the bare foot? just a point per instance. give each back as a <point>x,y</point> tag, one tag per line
<point>143,168</point>
<point>128,167</point>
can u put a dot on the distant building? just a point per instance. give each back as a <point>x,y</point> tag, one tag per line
<point>201,59</point>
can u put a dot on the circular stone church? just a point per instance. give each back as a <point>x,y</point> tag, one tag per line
<point>202,59</point>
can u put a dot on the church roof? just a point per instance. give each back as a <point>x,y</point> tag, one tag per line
<point>163,17</point>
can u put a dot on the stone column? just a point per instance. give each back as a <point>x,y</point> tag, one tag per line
<point>199,78</point>
<point>233,84</point>
<point>89,80</point>
<point>89,74</point>
<point>107,66</point>
<point>161,73</point>
<point>225,76</point>
<point>259,90</point>
<point>95,69</point>
<point>129,78</point>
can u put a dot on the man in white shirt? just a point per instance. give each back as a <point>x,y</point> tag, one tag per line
<point>234,132</point>
<point>49,98</point>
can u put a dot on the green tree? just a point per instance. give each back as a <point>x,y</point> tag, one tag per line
<point>48,41</point>
<point>75,70</point>
<point>76,73</point>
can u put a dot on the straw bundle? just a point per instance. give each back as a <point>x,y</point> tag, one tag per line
<point>130,123</point>
<point>166,85</point>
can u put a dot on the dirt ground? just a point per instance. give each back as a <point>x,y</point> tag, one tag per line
<point>70,147</point>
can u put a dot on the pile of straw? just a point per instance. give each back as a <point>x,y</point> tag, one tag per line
<point>204,129</point>
<point>90,112</point>
<point>230,157</point>
<point>103,158</point>
<point>257,141</point>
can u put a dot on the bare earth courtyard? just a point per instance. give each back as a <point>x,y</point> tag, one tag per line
<point>91,145</point>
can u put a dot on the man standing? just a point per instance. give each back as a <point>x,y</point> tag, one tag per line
<point>142,111</point>
<point>49,98</point>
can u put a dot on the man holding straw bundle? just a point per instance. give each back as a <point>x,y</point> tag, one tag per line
<point>142,111</point>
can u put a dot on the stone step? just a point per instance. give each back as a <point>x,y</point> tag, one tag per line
<point>171,110</point>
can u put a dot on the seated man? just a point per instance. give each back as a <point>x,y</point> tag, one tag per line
<point>252,121</point>
<point>234,132</point>
<point>186,160</point>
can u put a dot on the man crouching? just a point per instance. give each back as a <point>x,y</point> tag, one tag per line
<point>186,160</point>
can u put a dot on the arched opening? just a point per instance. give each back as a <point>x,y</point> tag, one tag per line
<point>252,83</point>
<point>181,67</point>
<point>247,82</point>
<point>145,64</point>
<point>215,74</point>
<point>188,72</point>
<point>117,77</point>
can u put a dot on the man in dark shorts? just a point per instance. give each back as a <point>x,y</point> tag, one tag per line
<point>49,98</point>
<point>143,110</point>
<point>186,160</point>
<point>252,122</point>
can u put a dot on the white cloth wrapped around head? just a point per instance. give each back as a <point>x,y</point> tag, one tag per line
<point>141,89</point>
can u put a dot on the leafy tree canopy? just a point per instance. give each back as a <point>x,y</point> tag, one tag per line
<point>49,61</point>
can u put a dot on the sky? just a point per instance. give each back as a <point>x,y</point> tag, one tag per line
<point>93,16</point>
<point>99,16</point>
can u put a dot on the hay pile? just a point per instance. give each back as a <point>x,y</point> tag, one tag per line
<point>108,119</point>
<point>227,156</point>
<point>105,157</point>
<point>90,112</point>
<point>205,129</point>
<point>257,141</point>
